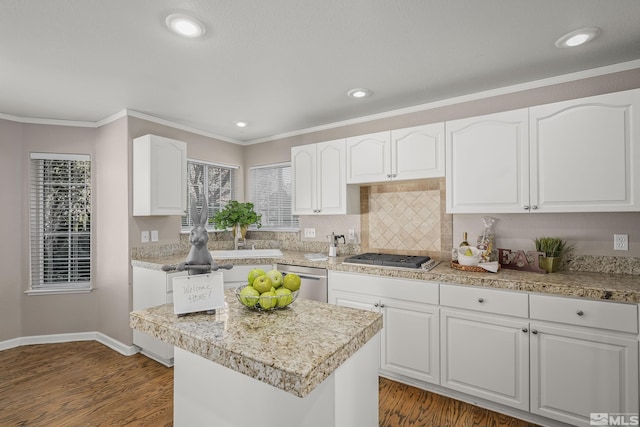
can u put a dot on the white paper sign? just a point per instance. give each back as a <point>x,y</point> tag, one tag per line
<point>200,292</point>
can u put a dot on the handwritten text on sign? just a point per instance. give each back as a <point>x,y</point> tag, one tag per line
<point>196,293</point>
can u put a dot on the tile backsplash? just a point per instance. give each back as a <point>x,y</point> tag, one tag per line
<point>406,218</point>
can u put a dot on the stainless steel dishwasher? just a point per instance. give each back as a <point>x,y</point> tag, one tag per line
<point>314,281</point>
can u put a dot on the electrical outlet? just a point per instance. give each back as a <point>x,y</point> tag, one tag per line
<point>144,237</point>
<point>309,232</point>
<point>154,235</point>
<point>620,242</point>
<point>351,234</point>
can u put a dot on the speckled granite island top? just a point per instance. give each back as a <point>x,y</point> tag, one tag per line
<point>600,286</point>
<point>293,349</point>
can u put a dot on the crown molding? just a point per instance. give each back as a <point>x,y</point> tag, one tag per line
<point>564,78</point>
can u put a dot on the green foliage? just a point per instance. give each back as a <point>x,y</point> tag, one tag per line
<point>552,246</point>
<point>234,213</point>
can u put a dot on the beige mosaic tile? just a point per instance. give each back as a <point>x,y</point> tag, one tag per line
<point>406,217</point>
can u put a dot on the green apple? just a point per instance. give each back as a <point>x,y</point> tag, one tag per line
<point>291,281</point>
<point>249,296</point>
<point>262,283</point>
<point>267,300</point>
<point>253,274</point>
<point>276,278</point>
<point>468,252</point>
<point>284,297</point>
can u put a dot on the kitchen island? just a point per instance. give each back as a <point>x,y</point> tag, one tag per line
<point>311,364</point>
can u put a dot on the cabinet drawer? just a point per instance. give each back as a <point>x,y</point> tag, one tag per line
<point>581,312</point>
<point>508,303</point>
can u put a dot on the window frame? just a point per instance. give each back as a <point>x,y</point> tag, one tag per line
<point>185,222</point>
<point>38,233</point>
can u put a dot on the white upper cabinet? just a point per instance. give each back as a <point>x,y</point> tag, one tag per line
<point>581,155</point>
<point>319,180</point>
<point>488,163</point>
<point>418,152</point>
<point>159,176</point>
<point>369,158</point>
<point>586,154</point>
<point>410,153</point>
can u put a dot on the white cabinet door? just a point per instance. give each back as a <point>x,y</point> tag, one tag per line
<point>488,163</point>
<point>486,356</point>
<point>319,180</point>
<point>361,302</point>
<point>159,176</point>
<point>585,154</point>
<point>576,372</point>
<point>332,171</point>
<point>152,288</point>
<point>417,152</point>
<point>304,161</point>
<point>410,344</point>
<point>369,158</point>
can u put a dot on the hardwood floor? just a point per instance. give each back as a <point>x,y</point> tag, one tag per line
<point>86,384</point>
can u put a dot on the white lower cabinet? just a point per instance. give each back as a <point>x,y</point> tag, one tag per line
<point>549,359</point>
<point>484,352</point>
<point>578,370</point>
<point>152,288</point>
<point>409,341</point>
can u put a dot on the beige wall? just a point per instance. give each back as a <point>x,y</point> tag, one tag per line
<point>199,148</point>
<point>12,263</point>
<point>112,178</point>
<point>591,233</point>
<point>52,314</point>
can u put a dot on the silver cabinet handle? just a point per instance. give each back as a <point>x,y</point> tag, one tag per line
<point>525,330</point>
<point>376,305</point>
<point>534,332</point>
<point>481,300</point>
<point>580,313</point>
<point>381,305</point>
<point>534,207</point>
<point>526,208</point>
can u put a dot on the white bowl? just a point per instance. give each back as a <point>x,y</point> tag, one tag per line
<point>467,260</point>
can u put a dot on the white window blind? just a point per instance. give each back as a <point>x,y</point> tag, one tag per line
<point>216,181</point>
<point>270,190</point>
<point>60,222</point>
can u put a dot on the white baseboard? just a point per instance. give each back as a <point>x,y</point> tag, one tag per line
<point>126,350</point>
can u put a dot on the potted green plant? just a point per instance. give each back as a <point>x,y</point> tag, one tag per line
<point>554,249</point>
<point>236,215</point>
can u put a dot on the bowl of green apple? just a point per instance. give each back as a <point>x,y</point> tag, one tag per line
<point>267,291</point>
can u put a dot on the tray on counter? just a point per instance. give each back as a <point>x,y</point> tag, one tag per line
<point>457,266</point>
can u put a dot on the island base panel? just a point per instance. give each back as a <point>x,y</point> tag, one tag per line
<point>208,394</point>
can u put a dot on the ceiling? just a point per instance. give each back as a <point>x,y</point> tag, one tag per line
<point>286,65</point>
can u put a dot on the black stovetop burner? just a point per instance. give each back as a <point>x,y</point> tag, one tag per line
<point>389,260</point>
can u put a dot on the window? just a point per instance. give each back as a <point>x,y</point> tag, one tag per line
<point>218,182</point>
<point>271,188</point>
<point>60,222</point>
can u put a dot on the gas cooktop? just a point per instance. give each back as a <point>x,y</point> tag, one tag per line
<point>388,260</point>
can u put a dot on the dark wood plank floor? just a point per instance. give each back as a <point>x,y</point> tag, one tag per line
<point>87,384</point>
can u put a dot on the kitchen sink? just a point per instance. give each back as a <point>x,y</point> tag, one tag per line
<point>247,253</point>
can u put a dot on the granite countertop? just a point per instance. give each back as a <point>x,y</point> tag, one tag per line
<point>293,349</point>
<point>600,286</point>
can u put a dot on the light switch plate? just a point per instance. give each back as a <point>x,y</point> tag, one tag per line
<point>154,235</point>
<point>310,232</point>
<point>144,237</point>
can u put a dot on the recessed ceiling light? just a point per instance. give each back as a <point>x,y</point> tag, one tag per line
<point>359,93</point>
<point>185,25</point>
<point>241,124</point>
<point>578,37</point>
